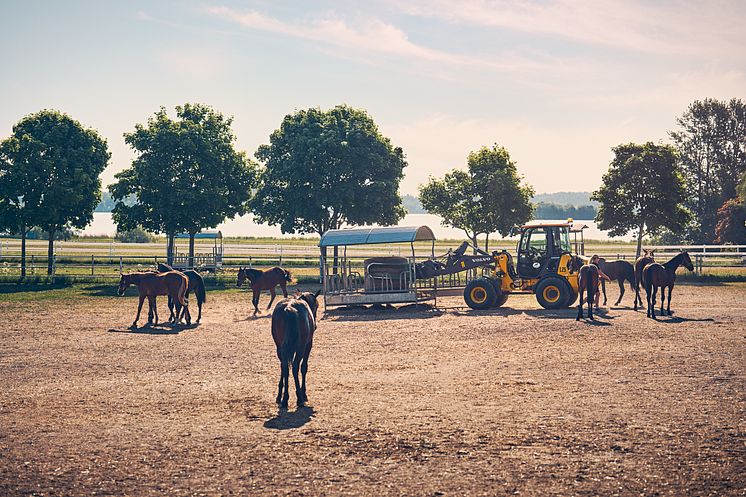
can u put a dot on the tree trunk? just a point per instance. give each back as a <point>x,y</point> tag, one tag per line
<point>170,249</point>
<point>23,251</point>
<point>50,250</point>
<point>487,243</point>
<point>475,243</point>
<point>639,240</point>
<point>190,263</point>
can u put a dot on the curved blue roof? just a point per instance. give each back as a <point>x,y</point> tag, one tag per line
<point>365,236</point>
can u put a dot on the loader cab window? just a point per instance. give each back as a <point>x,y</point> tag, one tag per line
<point>532,252</point>
<point>560,240</point>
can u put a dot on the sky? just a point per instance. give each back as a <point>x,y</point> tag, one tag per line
<point>558,83</point>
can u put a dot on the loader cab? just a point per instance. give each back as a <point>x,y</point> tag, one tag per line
<point>540,248</point>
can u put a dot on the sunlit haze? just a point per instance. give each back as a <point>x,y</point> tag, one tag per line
<point>557,82</point>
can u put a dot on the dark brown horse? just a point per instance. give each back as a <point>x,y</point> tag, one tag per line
<point>619,271</point>
<point>647,257</point>
<point>196,284</point>
<point>588,282</point>
<point>663,276</point>
<point>588,276</point>
<point>151,285</point>
<point>264,280</point>
<point>293,324</point>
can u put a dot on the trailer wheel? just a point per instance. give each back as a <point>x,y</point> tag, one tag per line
<point>480,294</point>
<point>552,293</point>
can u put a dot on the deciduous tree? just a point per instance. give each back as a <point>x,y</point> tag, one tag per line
<point>488,197</point>
<point>325,169</point>
<point>53,166</point>
<point>711,140</point>
<point>643,190</point>
<point>187,175</point>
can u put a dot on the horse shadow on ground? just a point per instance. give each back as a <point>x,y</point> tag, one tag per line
<point>20,287</point>
<point>678,319</point>
<point>159,329</point>
<point>380,312</point>
<point>290,420</point>
<point>571,313</point>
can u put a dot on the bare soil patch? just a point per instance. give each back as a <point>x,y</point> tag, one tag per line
<point>402,402</point>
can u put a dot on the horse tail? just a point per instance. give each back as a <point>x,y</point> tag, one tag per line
<point>199,291</point>
<point>183,288</point>
<point>292,333</point>
<point>288,278</point>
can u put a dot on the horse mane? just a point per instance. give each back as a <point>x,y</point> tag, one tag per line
<point>675,261</point>
<point>252,273</point>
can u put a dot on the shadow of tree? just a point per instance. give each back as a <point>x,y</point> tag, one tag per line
<point>287,420</point>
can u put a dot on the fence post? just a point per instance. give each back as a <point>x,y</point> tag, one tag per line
<point>250,261</point>
<point>32,263</point>
<point>120,264</point>
<point>280,264</point>
<point>92,264</point>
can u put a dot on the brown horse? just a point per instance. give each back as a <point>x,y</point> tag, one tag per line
<point>620,271</point>
<point>150,285</point>
<point>196,283</point>
<point>647,257</point>
<point>656,276</point>
<point>587,280</point>
<point>264,280</point>
<point>293,324</point>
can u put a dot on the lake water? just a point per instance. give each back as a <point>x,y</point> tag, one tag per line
<point>103,225</point>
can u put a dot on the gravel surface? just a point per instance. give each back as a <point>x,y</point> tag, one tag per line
<point>403,401</point>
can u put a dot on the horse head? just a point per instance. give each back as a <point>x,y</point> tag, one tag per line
<point>686,261</point>
<point>312,300</point>
<point>241,276</point>
<point>125,280</point>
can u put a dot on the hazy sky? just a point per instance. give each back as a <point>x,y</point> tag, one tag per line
<point>557,82</point>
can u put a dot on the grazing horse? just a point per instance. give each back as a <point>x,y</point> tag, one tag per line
<point>150,285</point>
<point>196,283</point>
<point>656,276</point>
<point>264,280</point>
<point>293,324</point>
<point>646,258</point>
<point>620,271</point>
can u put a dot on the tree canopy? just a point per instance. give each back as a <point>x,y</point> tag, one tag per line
<point>711,140</point>
<point>323,169</point>
<point>643,190</point>
<point>51,174</point>
<point>187,174</point>
<point>489,197</point>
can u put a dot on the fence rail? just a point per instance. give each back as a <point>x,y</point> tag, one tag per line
<point>705,257</point>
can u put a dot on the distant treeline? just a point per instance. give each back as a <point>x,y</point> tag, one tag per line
<point>554,211</point>
<point>544,210</point>
<point>584,209</point>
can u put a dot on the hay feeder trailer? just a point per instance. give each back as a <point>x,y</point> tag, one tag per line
<point>385,279</point>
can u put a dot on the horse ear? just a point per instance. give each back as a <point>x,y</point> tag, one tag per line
<point>318,292</point>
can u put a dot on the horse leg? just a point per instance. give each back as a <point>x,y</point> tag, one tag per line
<point>621,292</point>
<point>139,308</point>
<point>272,299</point>
<point>304,370</point>
<point>283,285</point>
<point>171,316</point>
<point>603,288</point>
<point>279,385</point>
<point>651,304</point>
<point>255,301</point>
<point>663,300</point>
<point>670,290</point>
<point>298,391</point>
<point>591,297</point>
<point>154,306</point>
<point>285,369</point>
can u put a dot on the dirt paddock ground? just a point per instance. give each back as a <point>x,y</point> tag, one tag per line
<point>402,402</point>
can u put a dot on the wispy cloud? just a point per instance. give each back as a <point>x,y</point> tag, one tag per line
<point>670,27</point>
<point>372,37</point>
